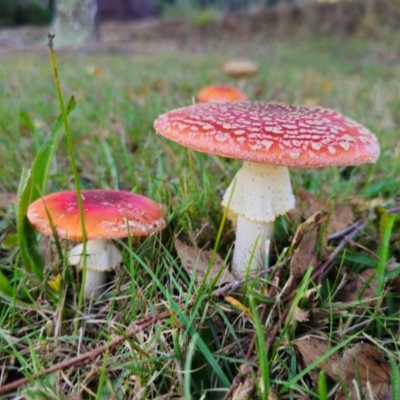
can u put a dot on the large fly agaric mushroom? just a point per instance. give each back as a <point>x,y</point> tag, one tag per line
<point>109,214</point>
<point>220,93</point>
<point>268,138</point>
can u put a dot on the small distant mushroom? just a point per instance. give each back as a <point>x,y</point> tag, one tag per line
<point>220,93</point>
<point>269,138</point>
<point>240,70</point>
<point>109,214</point>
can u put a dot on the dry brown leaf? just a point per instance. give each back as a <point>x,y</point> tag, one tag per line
<point>313,347</point>
<point>363,286</point>
<point>299,315</point>
<point>305,242</point>
<point>364,363</point>
<point>369,203</point>
<point>341,215</point>
<point>195,260</point>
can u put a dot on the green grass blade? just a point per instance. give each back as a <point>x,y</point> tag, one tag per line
<point>188,366</point>
<point>261,351</point>
<point>32,260</point>
<point>112,165</point>
<point>42,163</point>
<point>5,286</point>
<point>210,357</point>
<point>318,361</point>
<point>322,388</point>
<point>383,251</point>
<point>395,381</point>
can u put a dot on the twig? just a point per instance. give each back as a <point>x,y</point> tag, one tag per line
<point>326,266</point>
<point>343,232</point>
<point>140,325</point>
<point>349,233</point>
<point>237,284</point>
<point>147,321</point>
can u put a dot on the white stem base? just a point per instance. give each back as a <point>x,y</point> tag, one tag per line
<point>251,246</point>
<point>257,195</point>
<point>101,256</point>
<point>94,283</point>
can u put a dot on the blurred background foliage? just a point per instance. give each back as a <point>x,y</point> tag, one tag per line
<point>34,12</point>
<point>41,12</point>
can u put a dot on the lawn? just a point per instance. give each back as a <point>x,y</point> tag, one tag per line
<point>175,335</point>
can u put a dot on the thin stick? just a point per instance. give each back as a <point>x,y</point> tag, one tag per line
<point>237,284</point>
<point>147,321</point>
<point>140,325</point>
<point>323,270</point>
<point>349,235</point>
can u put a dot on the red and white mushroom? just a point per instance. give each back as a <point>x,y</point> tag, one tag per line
<point>220,93</point>
<point>268,138</point>
<point>240,70</point>
<point>109,214</point>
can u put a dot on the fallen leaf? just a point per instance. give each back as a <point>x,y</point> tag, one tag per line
<point>362,287</point>
<point>246,386</point>
<point>341,215</point>
<point>305,242</point>
<point>313,347</point>
<point>366,365</point>
<point>299,315</point>
<point>195,260</point>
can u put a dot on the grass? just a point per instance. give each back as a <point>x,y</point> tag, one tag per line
<point>199,348</point>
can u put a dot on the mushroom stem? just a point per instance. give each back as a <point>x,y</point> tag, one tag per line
<point>251,246</point>
<point>256,196</point>
<point>94,283</point>
<point>101,256</point>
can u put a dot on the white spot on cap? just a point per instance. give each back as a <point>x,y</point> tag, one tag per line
<point>365,140</point>
<point>222,138</point>
<point>295,154</point>
<point>344,145</point>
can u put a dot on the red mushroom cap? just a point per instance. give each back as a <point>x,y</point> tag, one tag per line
<point>271,133</point>
<point>108,214</point>
<point>220,93</point>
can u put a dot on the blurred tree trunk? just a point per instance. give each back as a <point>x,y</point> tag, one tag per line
<point>75,22</point>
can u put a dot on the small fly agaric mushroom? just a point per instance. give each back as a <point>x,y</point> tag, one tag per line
<point>269,138</point>
<point>220,93</point>
<point>240,70</point>
<point>109,214</point>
